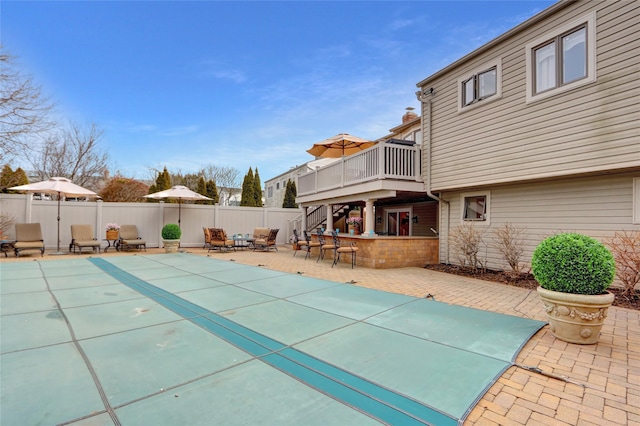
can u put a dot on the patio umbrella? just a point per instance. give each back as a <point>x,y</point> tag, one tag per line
<point>180,193</point>
<point>60,186</point>
<point>339,145</point>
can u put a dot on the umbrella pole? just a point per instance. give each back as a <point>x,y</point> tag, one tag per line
<point>59,252</point>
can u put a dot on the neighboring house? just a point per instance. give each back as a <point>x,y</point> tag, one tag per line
<point>384,182</point>
<point>275,188</point>
<point>539,128</point>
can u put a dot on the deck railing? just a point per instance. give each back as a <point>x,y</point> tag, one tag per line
<point>382,161</point>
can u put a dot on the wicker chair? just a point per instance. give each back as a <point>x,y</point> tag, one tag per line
<point>268,242</point>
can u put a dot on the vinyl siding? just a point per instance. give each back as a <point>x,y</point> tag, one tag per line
<point>589,129</point>
<point>596,206</point>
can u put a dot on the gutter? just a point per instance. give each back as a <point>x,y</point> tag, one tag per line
<point>425,96</point>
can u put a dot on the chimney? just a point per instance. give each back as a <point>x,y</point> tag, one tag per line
<point>409,115</point>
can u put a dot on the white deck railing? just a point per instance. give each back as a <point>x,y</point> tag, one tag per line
<point>382,161</point>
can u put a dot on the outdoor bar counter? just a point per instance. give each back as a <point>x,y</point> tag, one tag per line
<point>388,251</point>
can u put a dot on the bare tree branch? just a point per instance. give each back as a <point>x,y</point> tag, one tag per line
<point>24,111</point>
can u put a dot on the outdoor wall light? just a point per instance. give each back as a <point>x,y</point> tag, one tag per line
<point>415,219</point>
<point>379,219</point>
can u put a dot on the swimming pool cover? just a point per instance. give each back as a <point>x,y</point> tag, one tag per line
<point>355,355</point>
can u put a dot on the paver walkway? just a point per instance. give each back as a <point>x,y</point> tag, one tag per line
<point>604,379</point>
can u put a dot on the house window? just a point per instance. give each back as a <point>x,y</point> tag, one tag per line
<point>475,207</point>
<point>270,192</point>
<point>480,86</point>
<point>277,186</point>
<point>561,60</point>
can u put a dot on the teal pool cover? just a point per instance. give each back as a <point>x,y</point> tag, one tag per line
<point>184,339</point>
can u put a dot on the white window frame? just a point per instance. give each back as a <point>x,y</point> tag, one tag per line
<point>487,215</point>
<point>636,201</point>
<point>590,21</point>
<point>497,64</point>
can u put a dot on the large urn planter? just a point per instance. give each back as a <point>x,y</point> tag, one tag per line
<point>575,318</point>
<point>574,272</point>
<point>171,246</point>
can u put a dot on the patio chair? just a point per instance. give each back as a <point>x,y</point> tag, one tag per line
<point>82,236</point>
<point>129,238</point>
<point>28,237</point>
<point>324,246</point>
<point>298,243</point>
<point>268,242</point>
<point>218,240</point>
<point>339,249</point>
<point>310,244</point>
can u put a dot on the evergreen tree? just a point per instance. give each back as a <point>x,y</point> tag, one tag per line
<point>248,199</point>
<point>202,190</point>
<point>163,181</point>
<point>257,189</point>
<point>290,195</point>
<point>212,192</point>
<point>9,178</point>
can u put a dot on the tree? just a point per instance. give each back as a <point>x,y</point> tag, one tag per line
<point>163,181</point>
<point>290,194</point>
<point>212,192</point>
<point>121,189</point>
<point>74,153</point>
<point>248,198</point>
<point>9,178</point>
<point>226,178</point>
<point>24,111</point>
<point>257,189</point>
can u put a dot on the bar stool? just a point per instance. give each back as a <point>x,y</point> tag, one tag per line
<point>351,248</point>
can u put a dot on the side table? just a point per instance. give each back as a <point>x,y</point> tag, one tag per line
<point>6,246</point>
<point>114,245</point>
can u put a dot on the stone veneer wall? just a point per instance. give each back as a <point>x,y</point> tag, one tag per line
<point>386,252</point>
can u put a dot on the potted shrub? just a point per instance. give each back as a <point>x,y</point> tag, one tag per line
<point>574,272</point>
<point>171,234</point>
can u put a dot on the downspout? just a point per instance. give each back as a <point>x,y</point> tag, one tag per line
<point>424,96</point>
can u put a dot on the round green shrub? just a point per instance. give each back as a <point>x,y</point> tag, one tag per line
<point>171,231</point>
<point>573,263</point>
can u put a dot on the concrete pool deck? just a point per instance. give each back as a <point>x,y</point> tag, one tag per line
<point>609,371</point>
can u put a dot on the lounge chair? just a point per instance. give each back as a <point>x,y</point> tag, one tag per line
<point>28,237</point>
<point>129,238</point>
<point>82,236</point>
<point>219,240</point>
<point>339,249</point>
<point>268,242</point>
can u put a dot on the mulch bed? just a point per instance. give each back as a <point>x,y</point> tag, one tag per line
<point>527,281</point>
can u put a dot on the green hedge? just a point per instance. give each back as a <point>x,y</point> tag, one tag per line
<point>573,263</point>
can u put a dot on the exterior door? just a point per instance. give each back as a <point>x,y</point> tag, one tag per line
<point>398,222</point>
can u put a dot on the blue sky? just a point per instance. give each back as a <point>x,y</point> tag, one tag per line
<point>241,83</point>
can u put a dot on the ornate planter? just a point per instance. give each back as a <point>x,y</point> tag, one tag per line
<point>576,318</point>
<point>112,235</point>
<point>171,246</point>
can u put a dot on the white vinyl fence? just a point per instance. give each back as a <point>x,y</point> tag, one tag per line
<point>148,217</point>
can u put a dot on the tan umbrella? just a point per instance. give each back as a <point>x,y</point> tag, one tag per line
<point>60,186</point>
<point>180,193</point>
<point>339,145</point>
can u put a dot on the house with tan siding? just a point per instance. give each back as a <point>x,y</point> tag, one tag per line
<point>539,128</point>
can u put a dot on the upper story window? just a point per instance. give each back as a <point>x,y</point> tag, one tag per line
<point>482,85</point>
<point>561,60</point>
